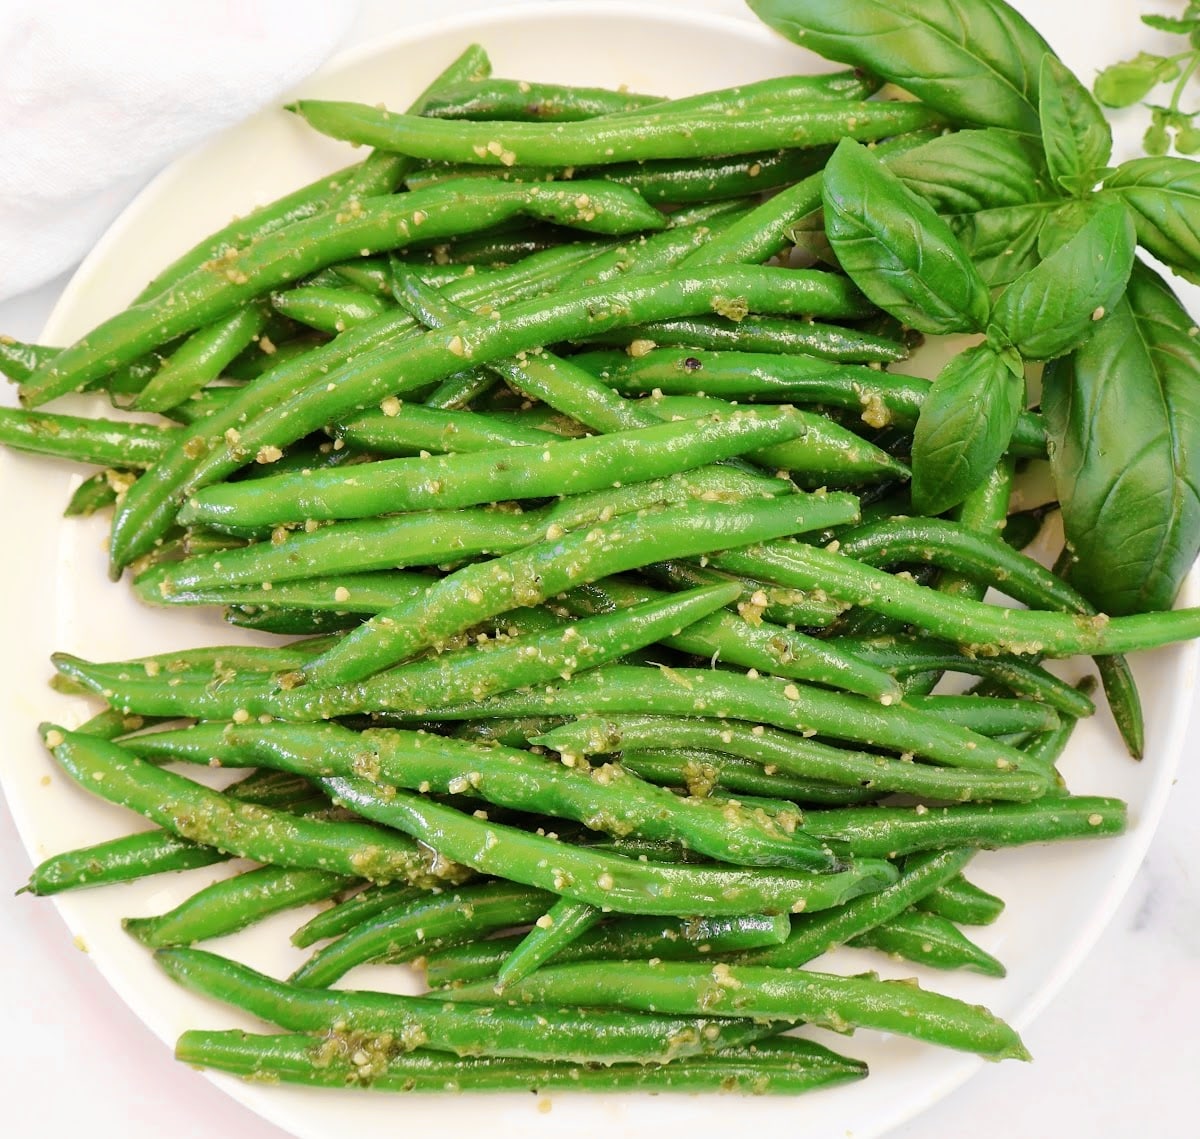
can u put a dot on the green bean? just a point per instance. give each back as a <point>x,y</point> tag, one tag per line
<point>736,639</point>
<point>607,799</point>
<point>234,903</point>
<point>403,932</point>
<point>447,482</point>
<point>193,811</point>
<point>605,1036</point>
<point>414,428</point>
<point>929,940</point>
<point>786,1067</point>
<point>560,562</point>
<point>961,901</point>
<point>158,851</point>
<point>105,442</point>
<point>787,607</point>
<point>558,928</point>
<point>988,715</point>
<point>827,454</point>
<point>606,880</point>
<point>18,360</point>
<point>699,772</point>
<point>202,358</point>
<point>812,935</point>
<point>286,254</point>
<point>352,911</point>
<point>1120,690</point>
<point>955,619</point>
<point>623,939</point>
<point>794,707</point>
<point>887,831</point>
<point>903,655</point>
<point>351,593</point>
<point>790,753</point>
<point>97,492</point>
<point>646,135</point>
<point>111,725</point>
<point>492,98</point>
<point>792,995</point>
<point>882,398</point>
<point>760,334</point>
<point>329,309</point>
<point>977,556</point>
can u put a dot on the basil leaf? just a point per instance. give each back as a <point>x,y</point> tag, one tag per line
<point>1169,24</point>
<point>966,422</point>
<point>896,248</point>
<point>974,60</point>
<point>973,170</point>
<point>1123,84</point>
<point>1053,308</point>
<point>1123,416</point>
<point>1003,243</point>
<point>1066,221</point>
<point>1163,195</point>
<point>1075,133</point>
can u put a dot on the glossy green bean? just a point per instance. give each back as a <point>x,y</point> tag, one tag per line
<point>352,911</point>
<point>622,939</point>
<point>493,98</point>
<point>955,619</point>
<point>431,921</point>
<point>415,428</point>
<point>961,901</point>
<point>929,940</point>
<point>560,562</point>
<point>700,772</point>
<point>235,903</point>
<point>903,655</point>
<point>646,135</point>
<point>557,929</point>
<point>790,753</point>
<point>737,639</point>
<point>761,991</point>
<point>155,852</point>
<point>414,1022</point>
<point>786,1067</point>
<point>105,442</point>
<point>329,309</point>
<point>573,466</point>
<point>202,358</point>
<point>887,831</point>
<point>761,334</point>
<point>765,700</point>
<point>987,715</point>
<point>195,812</point>
<point>811,935</point>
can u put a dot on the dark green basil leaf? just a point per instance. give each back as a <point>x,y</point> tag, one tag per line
<point>1053,308</point>
<point>974,60</point>
<point>1163,194</point>
<point>1066,221</point>
<point>896,248</point>
<point>1003,243</point>
<point>1130,81</point>
<point>1123,416</point>
<point>964,428</point>
<point>1075,133</point>
<point>973,170</point>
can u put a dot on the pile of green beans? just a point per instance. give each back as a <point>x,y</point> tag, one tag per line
<point>613,706</point>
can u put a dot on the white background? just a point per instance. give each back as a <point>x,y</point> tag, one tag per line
<point>75,1061</point>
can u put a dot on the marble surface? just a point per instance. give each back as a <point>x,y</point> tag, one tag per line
<point>1115,1051</point>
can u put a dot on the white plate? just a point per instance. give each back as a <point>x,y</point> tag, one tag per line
<point>1059,898</point>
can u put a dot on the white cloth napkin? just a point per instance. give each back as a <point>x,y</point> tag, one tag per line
<point>97,97</point>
